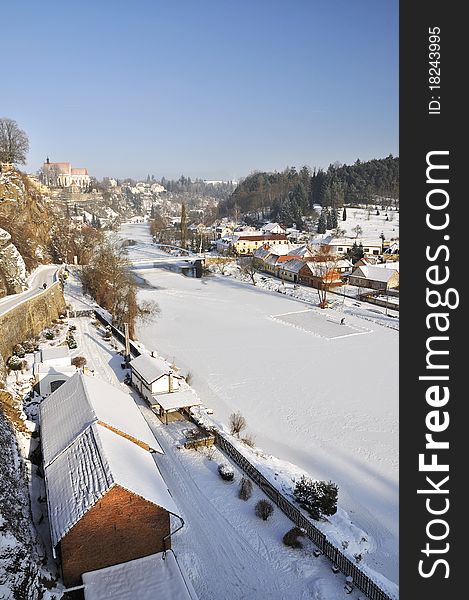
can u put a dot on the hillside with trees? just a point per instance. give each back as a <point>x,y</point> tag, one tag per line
<point>290,195</point>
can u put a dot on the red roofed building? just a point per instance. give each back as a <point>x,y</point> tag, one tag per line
<point>62,174</point>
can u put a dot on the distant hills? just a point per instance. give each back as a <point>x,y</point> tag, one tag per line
<point>291,195</point>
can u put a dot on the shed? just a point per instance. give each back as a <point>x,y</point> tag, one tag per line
<point>108,503</point>
<point>163,404</point>
<point>375,277</point>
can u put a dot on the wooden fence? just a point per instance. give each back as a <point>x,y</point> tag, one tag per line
<point>347,566</point>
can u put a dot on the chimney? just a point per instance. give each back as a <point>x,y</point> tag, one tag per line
<point>170,380</point>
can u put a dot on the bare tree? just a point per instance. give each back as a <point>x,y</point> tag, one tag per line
<point>237,423</point>
<point>357,230</point>
<point>323,266</point>
<point>14,143</point>
<point>246,265</point>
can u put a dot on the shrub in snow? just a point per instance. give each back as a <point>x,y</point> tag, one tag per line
<point>319,498</point>
<point>249,440</point>
<point>237,423</point>
<point>48,334</point>
<point>72,328</point>
<point>18,349</point>
<point>245,489</point>
<point>15,363</point>
<point>291,538</point>
<point>226,472</point>
<point>29,345</point>
<point>210,452</point>
<point>264,509</point>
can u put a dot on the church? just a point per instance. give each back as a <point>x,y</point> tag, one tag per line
<point>62,174</point>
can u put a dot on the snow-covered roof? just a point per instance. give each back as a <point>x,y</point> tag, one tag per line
<point>394,265</point>
<point>293,266</point>
<point>152,577</point>
<point>302,251</point>
<point>51,354</point>
<point>48,368</point>
<point>149,367</point>
<point>374,273</point>
<point>83,400</point>
<point>178,399</point>
<point>89,467</point>
<point>277,249</point>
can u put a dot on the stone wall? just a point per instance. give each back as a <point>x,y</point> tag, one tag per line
<point>29,319</point>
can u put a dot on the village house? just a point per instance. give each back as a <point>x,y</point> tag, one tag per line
<point>151,375</point>
<point>273,228</point>
<point>375,277</point>
<point>327,274</point>
<point>107,500</point>
<point>63,175</point>
<point>165,391</point>
<point>51,368</point>
<point>290,269</point>
<point>154,577</point>
<point>341,246</point>
<point>246,243</point>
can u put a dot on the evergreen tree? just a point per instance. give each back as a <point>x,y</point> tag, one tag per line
<point>344,214</point>
<point>330,219</point>
<point>322,222</point>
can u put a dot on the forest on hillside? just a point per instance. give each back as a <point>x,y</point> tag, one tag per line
<point>290,195</point>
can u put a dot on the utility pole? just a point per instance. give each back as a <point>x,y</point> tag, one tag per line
<point>127,343</point>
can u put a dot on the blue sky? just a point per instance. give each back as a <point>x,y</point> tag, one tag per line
<point>209,88</point>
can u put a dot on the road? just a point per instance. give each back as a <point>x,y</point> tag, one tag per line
<point>43,274</point>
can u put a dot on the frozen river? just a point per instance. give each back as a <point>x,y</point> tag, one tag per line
<point>317,394</point>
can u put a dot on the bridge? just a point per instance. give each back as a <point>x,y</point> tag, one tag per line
<point>144,255</point>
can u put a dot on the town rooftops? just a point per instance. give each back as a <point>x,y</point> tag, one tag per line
<point>96,461</point>
<point>155,576</point>
<point>83,400</point>
<point>150,368</point>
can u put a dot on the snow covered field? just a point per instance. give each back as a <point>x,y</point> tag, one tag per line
<point>327,404</point>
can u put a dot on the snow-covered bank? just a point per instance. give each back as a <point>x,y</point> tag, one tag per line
<point>325,403</point>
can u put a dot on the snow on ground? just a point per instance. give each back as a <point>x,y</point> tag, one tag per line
<point>372,224</point>
<point>329,406</point>
<point>226,551</point>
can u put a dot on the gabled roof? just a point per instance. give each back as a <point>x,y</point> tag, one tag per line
<point>152,577</point>
<point>149,367</point>
<point>87,469</point>
<point>294,265</point>
<point>302,251</point>
<point>374,273</point>
<point>83,400</point>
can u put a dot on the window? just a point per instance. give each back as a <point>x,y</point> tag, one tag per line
<point>340,249</point>
<point>366,249</point>
<point>375,251</point>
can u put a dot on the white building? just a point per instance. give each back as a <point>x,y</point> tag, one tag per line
<point>273,228</point>
<point>51,368</point>
<point>62,174</point>
<point>151,375</point>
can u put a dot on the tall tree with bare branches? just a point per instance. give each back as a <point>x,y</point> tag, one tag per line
<point>14,143</point>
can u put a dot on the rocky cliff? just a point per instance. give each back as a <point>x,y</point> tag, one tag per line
<point>12,267</point>
<point>26,215</point>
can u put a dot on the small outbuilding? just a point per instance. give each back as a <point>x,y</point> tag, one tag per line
<point>152,375</point>
<point>51,368</point>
